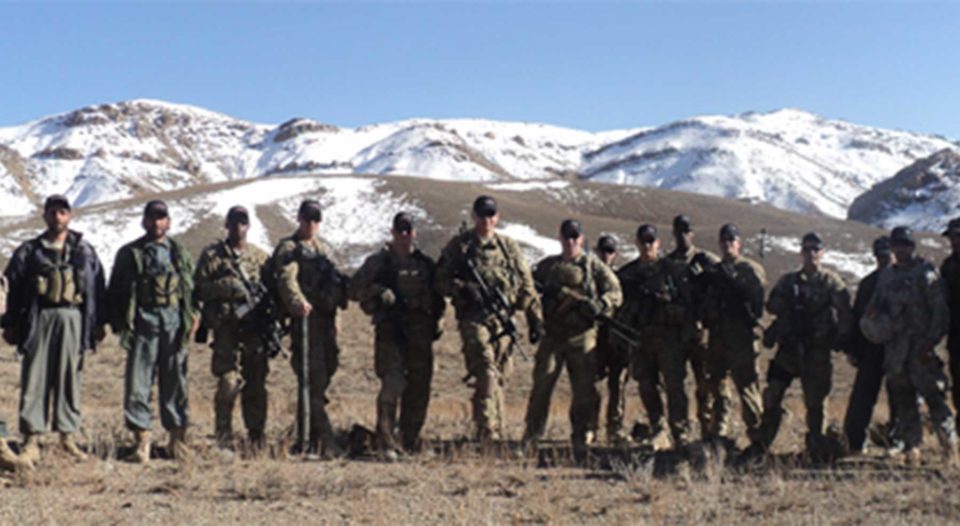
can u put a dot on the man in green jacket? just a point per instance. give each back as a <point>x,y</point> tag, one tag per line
<point>150,300</point>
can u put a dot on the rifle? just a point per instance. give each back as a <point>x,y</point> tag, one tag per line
<point>618,329</point>
<point>723,280</point>
<point>259,313</point>
<point>328,273</point>
<point>494,303</point>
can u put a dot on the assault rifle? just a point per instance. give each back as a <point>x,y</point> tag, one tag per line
<point>259,313</point>
<point>722,278</point>
<point>494,303</point>
<point>624,333</point>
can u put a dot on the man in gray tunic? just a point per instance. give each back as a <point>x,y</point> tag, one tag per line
<point>53,315</point>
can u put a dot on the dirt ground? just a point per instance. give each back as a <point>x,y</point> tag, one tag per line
<point>449,483</point>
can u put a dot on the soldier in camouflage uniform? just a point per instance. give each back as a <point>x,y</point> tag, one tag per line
<point>486,349</point>
<point>311,289</point>
<point>813,317</point>
<point>950,271</point>
<point>698,262</point>
<point>54,314</point>
<point>612,364</point>
<point>395,286</point>
<point>150,294</point>
<point>658,303</point>
<point>225,274</point>
<point>908,315</point>
<point>866,356</point>
<point>732,306</point>
<point>577,288</point>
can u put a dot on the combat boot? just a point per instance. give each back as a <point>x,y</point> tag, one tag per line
<point>70,447</point>
<point>141,447</point>
<point>30,451</point>
<point>9,460</point>
<point>177,444</point>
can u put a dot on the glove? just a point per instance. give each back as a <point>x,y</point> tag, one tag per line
<point>10,336</point>
<point>471,292</point>
<point>590,309</point>
<point>535,326</point>
<point>387,298</point>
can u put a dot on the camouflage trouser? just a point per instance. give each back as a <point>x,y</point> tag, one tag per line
<point>50,369</point>
<point>921,374</point>
<point>405,370</point>
<point>662,355</point>
<point>614,363</point>
<point>697,350</point>
<point>323,359</point>
<point>577,354</point>
<point>485,363</point>
<point>241,368</point>
<point>953,348</point>
<point>734,352</point>
<point>815,372</point>
<point>157,351</point>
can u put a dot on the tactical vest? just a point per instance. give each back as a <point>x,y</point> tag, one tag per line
<point>496,264</point>
<point>412,282</point>
<point>58,282</point>
<point>159,282</point>
<point>560,309</point>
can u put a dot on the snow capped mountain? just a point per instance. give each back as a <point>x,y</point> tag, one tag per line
<point>924,195</point>
<point>789,158</point>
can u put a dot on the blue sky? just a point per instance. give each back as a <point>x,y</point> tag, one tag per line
<point>584,65</point>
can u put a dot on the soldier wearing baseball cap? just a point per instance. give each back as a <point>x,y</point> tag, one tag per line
<point>732,306</point>
<point>577,289</point>
<point>910,301</point>
<point>950,271</point>
<point>227,272</point>
<point>697,262</point>
<point>867,356</point>
<point>486,350</point>
<point>394,287</point>
<point>151,292</point>
<point>813,318</point>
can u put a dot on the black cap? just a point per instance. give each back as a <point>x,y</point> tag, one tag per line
<point>881,246</point>
<point>646,232</point>
<point>901,235</point>
<point>310,210</point>
<point>57,200</point>
<point>156,208</point>
<point>485,206</point>
<point>811,240</point>
<point>403,222</point>
<point>238,214</point>
<point>682,224</point>
<point>729,232</point>
<point>953,227</point>
<point>571,229</point>
<point>607,244</point>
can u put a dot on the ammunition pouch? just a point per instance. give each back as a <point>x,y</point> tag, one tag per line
<point>58,286</point>
<point>159,290</point>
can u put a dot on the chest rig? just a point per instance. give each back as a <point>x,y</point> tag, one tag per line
<point>58,279</point>
<point>159,281</point>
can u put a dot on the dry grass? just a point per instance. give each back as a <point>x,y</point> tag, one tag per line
<point>455,485</point>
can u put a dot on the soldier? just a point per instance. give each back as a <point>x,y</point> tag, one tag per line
<point>496,259</point>
<point>698,261</point>
<point>228,272</point>
<point>577,289</point>
<point>612,363</point>
<point>150,293</point>
<point>395,286</point>
<point>908,315</point>
<point>813,317</point>
<point>732,306</point>
<point>950,271</point>
<point>657,302</point>
<point>53,315</point>
<point>311,289</point>
<point>867,357</point>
